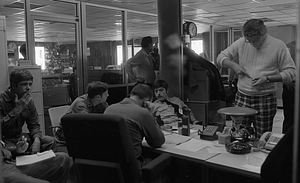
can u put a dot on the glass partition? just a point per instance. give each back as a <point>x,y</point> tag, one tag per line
<point>55,51</point>
<point>15,31</point>
<point>102,55</point>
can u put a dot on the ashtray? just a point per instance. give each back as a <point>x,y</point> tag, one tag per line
<point>238,147</point>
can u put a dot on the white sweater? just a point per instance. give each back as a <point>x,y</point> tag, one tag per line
<point>271,58</point>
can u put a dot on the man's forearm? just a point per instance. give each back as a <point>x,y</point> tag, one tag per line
<point>12,114</point>
<point>229,64</point>
<point>274,78</point>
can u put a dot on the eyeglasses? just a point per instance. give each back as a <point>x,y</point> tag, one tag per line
<point>253,39</point>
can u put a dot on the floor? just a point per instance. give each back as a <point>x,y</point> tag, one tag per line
<point>278,120</point>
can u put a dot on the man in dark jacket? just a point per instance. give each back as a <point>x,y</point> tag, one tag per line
<point>16,109</point>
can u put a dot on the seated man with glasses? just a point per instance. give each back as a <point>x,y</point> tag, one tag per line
<point>260,61</point>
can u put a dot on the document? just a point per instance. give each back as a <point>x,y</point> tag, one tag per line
<point>216,150</point>
<point>34,158</point>
<point>176,139</point>
<point>193,145</point>
<point>256,159</point>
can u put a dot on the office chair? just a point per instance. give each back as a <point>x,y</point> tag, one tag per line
<point>55,114</point>
<point>102,150</point>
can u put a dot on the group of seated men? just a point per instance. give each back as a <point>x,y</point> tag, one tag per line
<point>138,110</point>
<point>140,113</point>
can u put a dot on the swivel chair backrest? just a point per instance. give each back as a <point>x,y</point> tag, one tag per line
<point>101,147</point>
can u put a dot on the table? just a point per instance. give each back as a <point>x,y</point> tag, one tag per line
<point>209,162</point>
<point>198,157</point>
<point>245,165</point>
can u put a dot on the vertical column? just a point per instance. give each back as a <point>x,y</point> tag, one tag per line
<point>211,43</point>
<point>296,156</point>
<point>30,44</point>
<point>124,47</point>
<point>4,79</point>
<point>4,73</point>
<point>169,28</point>
<point>81,47</point>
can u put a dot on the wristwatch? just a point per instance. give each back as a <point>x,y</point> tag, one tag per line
<point>268,79</point>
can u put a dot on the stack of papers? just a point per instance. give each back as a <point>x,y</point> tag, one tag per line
<point>34,158</point>
<point>176,139</point>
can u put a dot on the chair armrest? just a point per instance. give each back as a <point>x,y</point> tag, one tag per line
<point>154,168</point>
<point>59,137</point>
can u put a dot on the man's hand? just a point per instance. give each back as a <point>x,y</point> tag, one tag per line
<point>23,101</point>
<point>140,80</point>
<point>22,145</point>
<point>240,71</point>
<point>36,146</point>
<point>149,105</point>
<point>259,80</point>
<point>186,110</point>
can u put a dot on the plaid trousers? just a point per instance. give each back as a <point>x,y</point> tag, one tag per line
<point>265,105</point>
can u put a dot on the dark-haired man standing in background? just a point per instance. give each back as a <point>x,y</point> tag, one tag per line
<point>141,65</point>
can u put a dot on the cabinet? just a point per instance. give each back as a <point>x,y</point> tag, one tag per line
<point>36,92</point>
<point>206,111</point>
<point>199,100</point>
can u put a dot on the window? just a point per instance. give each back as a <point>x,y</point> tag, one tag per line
<point>197,46</point>
<point>39,56</point>
<point>120,52</point>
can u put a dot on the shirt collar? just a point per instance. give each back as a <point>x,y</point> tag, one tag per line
<point>145,53</point>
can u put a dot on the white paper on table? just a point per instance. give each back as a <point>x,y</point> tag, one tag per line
<point>166,132</point>
<point>34,158</point>
<point>251,167</point>
<point>176,139</point>
<point>255,159</point>
<point>216,149</point>
<point>193,145</point>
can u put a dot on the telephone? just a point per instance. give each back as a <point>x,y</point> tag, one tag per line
<point>269,140</point>
<point>209,132</point>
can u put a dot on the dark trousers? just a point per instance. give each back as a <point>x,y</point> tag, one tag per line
<point>47,142</point>
<point>54,170</point>
<point>288,101</point>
